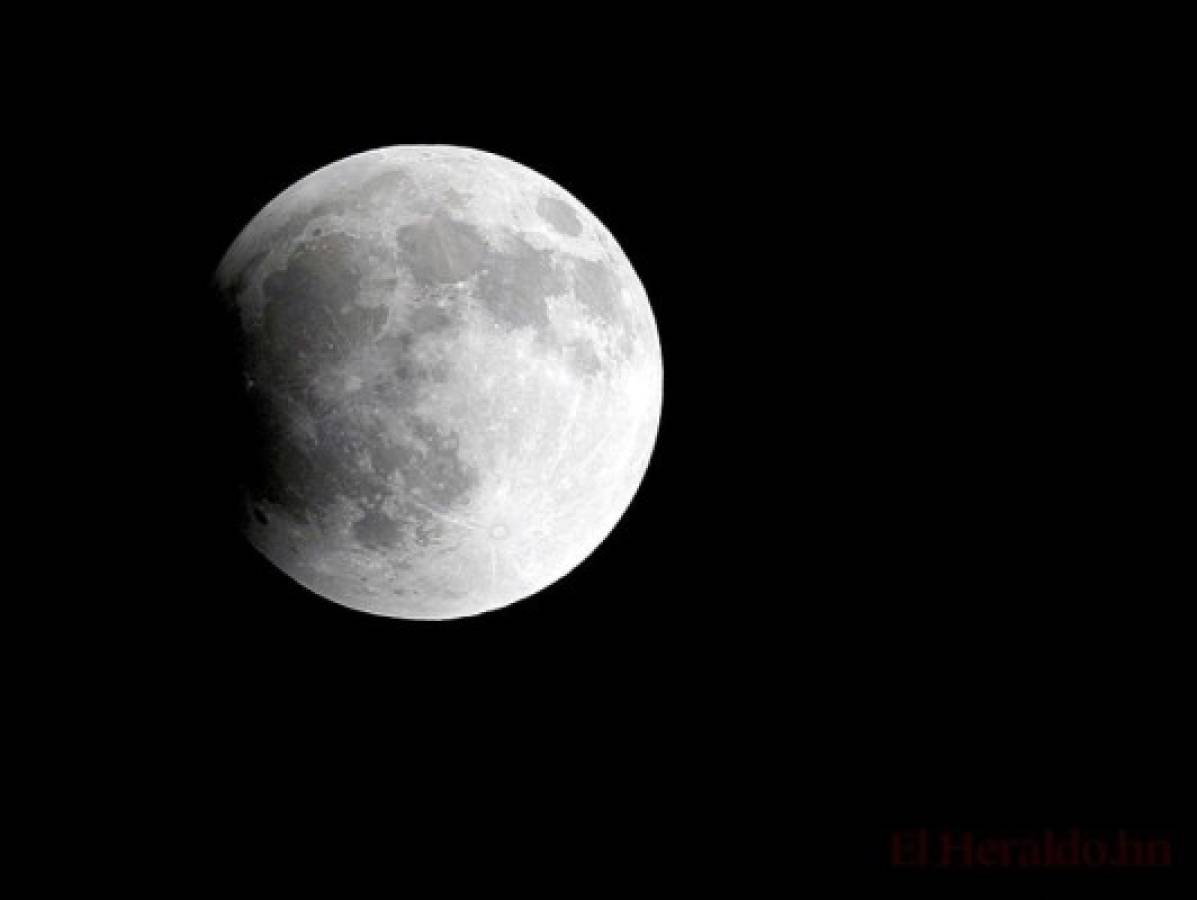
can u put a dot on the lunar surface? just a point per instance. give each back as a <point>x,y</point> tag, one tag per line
<point>454,375</point>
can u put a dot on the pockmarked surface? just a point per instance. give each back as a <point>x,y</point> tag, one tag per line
<point>455,379</point>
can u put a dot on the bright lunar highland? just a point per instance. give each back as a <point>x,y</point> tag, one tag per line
<point>454,376</point>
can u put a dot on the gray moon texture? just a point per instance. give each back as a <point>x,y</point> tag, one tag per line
<point>455,379</point>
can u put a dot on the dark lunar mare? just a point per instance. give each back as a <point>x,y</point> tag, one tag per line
<point>515,286</point>
<point>311,320</point>
<point>440,250</point>
<point>303,453</point>
<point>560,215</point>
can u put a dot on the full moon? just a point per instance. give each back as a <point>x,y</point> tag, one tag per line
<point>454,379</point>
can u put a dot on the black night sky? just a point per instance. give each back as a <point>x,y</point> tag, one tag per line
<point>896,561</point>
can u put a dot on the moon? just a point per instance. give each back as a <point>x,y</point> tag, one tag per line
<point>454,378</point>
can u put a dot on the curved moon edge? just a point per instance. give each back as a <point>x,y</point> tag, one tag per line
<point>454,379</point>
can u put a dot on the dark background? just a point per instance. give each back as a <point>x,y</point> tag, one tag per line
<point>904,553</point>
